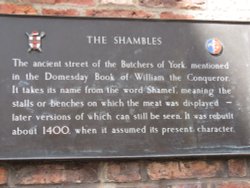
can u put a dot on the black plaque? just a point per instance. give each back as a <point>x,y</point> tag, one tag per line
<point>112,88</point>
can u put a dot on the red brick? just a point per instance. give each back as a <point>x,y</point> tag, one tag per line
<point>184,170</point>
<point>78,2</point>
<point>237,168</point>
<point>16,9</point>
<point>56,174</point>
<point>234,185</point>
<point>67,12</point>
<point>118,13</point>
<point>185,4</point>
<point>123,172</point>
<point>170,15</point>
<point>3,176</point>
<point>38,1</point>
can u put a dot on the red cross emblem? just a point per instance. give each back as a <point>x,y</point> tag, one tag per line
<point>35,40</point>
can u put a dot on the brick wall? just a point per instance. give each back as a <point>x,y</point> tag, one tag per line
<point>185,173</point>
<point>165,9</point>
<point>164,173</point>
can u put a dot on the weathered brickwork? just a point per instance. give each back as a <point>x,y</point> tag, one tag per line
<point>233,10</point>
<point>209,173</point>
<point>75,173</point>
<point>237,168</point>
<point>122,172</point>
<point>185,170</point>
<point>3,175</point>
<point>164,173</point>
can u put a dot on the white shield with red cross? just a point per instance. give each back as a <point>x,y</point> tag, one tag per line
<point>35,40</point>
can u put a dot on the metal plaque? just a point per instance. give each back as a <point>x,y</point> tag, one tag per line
<point>120,88</point>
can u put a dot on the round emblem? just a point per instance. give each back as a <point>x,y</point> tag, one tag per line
<point>214,46</point>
